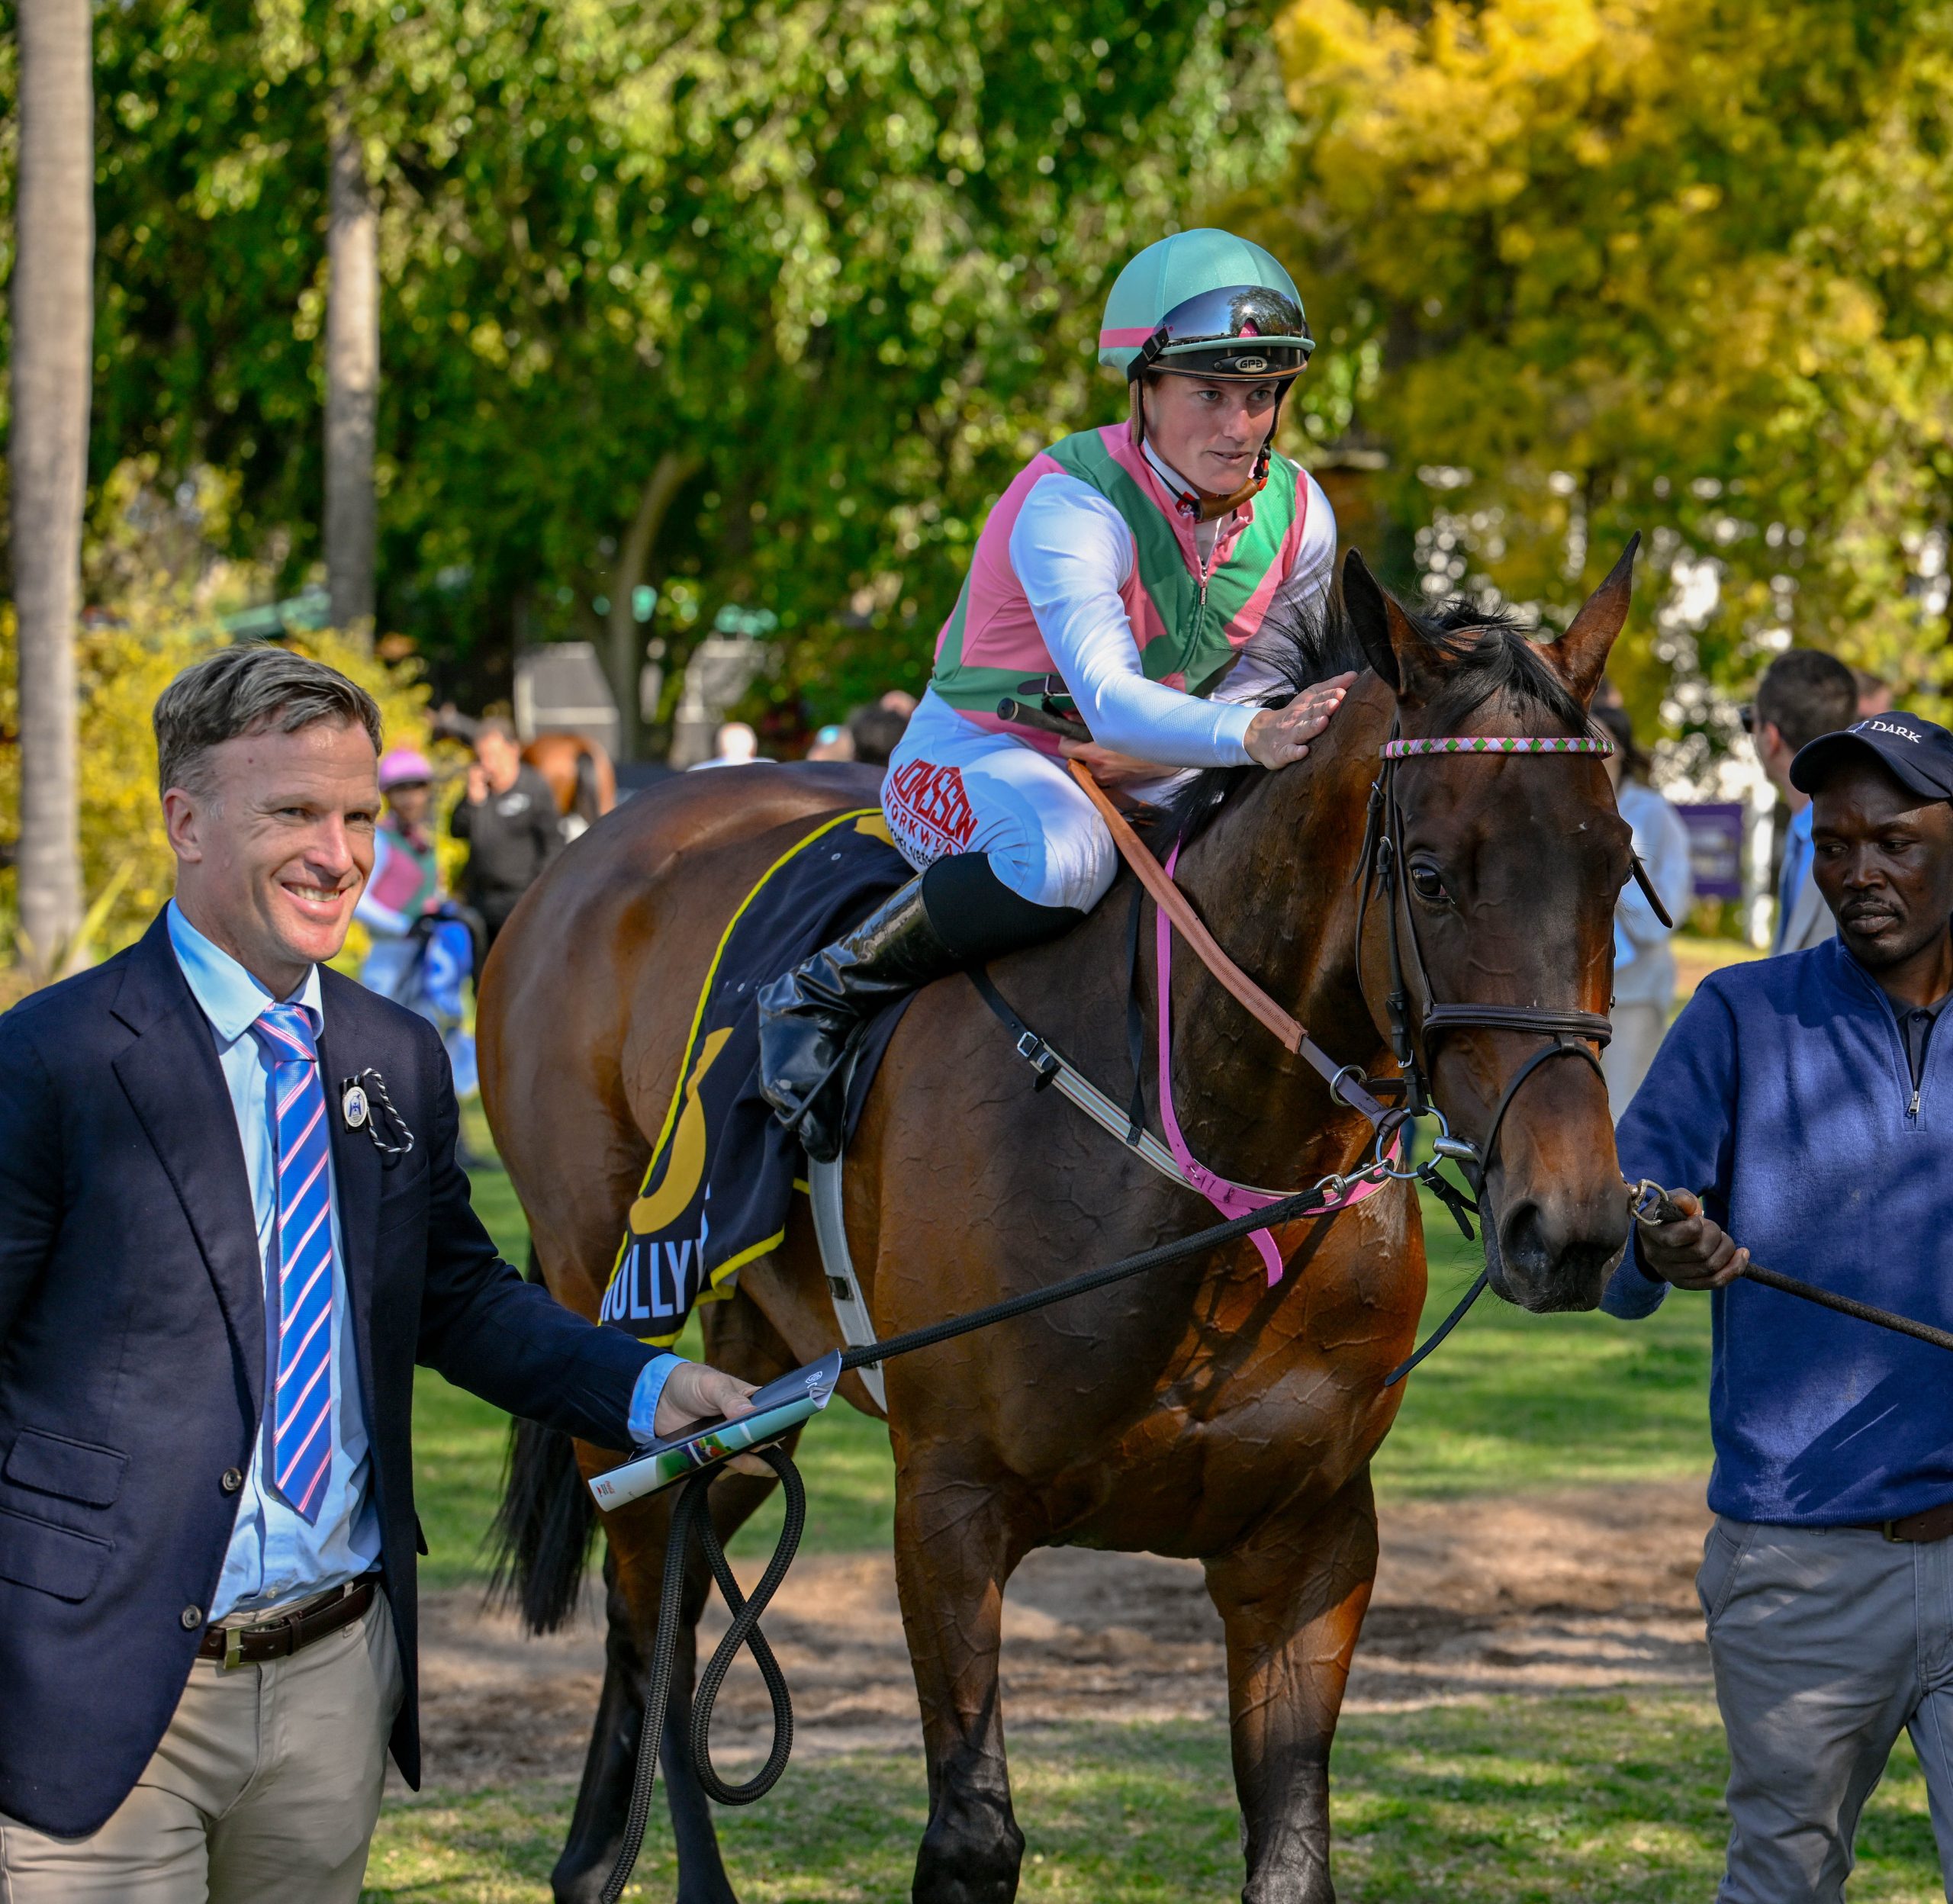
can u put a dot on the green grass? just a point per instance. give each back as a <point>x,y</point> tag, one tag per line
<point>1578,1800</point>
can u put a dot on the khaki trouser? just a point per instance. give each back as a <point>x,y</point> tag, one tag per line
<point>266,1786</point>
<point>1827,1642</point>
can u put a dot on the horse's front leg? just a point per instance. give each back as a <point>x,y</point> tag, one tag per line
<point>1293,1599</point>
<point>953,1552</point>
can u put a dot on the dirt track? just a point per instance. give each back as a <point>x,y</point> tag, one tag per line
<point>1536,1593</point>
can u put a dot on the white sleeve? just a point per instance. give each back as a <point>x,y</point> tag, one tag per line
<point>1073,552</point>
<point>1314,572</point>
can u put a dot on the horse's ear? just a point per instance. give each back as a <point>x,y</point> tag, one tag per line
<point>1390,644</point>
<point>1580,655</point>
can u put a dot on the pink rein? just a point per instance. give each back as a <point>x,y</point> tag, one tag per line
<point>1230,1198</point>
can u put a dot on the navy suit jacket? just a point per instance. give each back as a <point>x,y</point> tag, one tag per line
<point>132,1350</point>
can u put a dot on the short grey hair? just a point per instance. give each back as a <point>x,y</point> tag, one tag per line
<point>248,689</point>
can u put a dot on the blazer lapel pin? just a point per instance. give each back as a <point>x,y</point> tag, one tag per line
<point>366,1105</point>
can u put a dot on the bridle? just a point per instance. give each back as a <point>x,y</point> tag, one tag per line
<point>1573,1034</point>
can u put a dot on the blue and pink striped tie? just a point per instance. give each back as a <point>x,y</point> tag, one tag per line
<point>302,1397</point>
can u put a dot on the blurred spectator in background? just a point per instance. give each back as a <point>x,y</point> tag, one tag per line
<point>878,727</point>
<point>405,883</point>
<point>1644,967</point>
<point>422,949</point>
<point>508,817</point>
<point>737,744</point>
<point>1802,694</point>
<point>1874,696</point>
<point>831,743</point>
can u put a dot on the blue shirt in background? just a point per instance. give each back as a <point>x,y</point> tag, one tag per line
<point>1784,1096</point>
<point>1799,851</point>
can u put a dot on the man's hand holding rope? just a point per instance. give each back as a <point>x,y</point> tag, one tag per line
<point>1695,1253</point>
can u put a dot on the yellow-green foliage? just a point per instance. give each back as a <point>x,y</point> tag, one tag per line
<point>122,666</point>
<point>1677,265</point>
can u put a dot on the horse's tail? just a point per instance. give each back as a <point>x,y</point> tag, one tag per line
<point>543,1530</point>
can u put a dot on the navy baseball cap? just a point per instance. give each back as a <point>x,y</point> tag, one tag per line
<point>1916,753</point>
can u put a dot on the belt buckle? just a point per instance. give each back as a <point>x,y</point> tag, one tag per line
<point>233,1647</point>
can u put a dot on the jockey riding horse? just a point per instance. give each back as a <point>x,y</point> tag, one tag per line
<point>1124,570</point>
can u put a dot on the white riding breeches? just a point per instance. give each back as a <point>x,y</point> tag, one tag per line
<point>954,787</point>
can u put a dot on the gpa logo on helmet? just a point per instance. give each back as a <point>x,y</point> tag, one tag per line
<point>1250,363</point>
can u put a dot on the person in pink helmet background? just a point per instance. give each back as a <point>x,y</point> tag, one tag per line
<point>1123,575</point>
<point>422,951</point>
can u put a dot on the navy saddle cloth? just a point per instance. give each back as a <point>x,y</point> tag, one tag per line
<point>723,1171</point>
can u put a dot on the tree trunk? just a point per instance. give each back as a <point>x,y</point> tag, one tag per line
<point>352,381</point>
<point>625,635</point>
<point>54,326</point>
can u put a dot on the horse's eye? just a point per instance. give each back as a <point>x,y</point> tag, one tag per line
<point>1425,882</point>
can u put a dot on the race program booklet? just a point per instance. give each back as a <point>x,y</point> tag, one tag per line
<point>777,1407</point>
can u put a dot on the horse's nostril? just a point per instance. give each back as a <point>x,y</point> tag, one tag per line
<point>1523,1242</point>
<point>1554,1265</point>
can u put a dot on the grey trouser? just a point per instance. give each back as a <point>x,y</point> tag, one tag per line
<point>264,1789</point>
<point>1826,1641</point>
<point>1639,1030</point>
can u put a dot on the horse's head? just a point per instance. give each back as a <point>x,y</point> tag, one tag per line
<point>1493,878</point>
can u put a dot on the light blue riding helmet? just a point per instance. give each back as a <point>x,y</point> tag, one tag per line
<point>1206,304</point>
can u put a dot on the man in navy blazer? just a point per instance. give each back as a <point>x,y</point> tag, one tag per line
<point>220,1260</point>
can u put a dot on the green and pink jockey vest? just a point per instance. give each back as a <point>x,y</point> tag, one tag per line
<point>992,645</point>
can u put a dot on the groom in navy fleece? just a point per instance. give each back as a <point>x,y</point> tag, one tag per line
<point>1809,1099</point>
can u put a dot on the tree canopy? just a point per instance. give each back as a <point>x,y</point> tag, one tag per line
<point>1593,266</point>
<point>842,258</point>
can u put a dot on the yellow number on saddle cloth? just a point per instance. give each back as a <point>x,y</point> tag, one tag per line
<point>655,1274</point>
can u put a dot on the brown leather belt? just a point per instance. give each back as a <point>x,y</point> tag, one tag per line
<point>1928,1525</point>
<point>280,1638</point>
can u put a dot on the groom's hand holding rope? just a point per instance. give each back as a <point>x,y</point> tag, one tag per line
<point>1693,1252</point>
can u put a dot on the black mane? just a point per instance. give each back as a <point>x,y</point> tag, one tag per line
<point>1481,652</point>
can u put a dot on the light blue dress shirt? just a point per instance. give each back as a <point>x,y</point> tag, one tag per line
<point>1798,853</point>
<point>275,1556</point>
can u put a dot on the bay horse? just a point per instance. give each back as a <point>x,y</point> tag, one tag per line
<point>1199,1412</point>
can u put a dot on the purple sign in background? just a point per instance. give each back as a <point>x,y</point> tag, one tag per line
<point>1715,848</point>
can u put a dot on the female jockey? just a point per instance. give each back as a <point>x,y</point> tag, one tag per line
<point>1132,563</point>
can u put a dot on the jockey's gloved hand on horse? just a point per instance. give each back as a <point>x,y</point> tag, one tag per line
<point>1132,565</point>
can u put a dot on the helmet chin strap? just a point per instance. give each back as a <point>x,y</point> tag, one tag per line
<point>1197,504</point>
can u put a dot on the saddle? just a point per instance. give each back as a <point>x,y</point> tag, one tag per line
<point>720,1183</point>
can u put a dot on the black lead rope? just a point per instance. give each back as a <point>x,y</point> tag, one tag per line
<point>1438,1334</point>
<point>693,1513</point>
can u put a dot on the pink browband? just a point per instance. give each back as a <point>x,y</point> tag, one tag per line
<point>1230,1198</point>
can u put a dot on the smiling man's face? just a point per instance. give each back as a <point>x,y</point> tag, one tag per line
<point>274,843</point>
<point>1883,860</point>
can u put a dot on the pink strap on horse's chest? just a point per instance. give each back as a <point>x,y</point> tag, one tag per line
<point>1230,1198</point>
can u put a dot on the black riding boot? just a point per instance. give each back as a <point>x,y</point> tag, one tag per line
<point>956,914</point>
